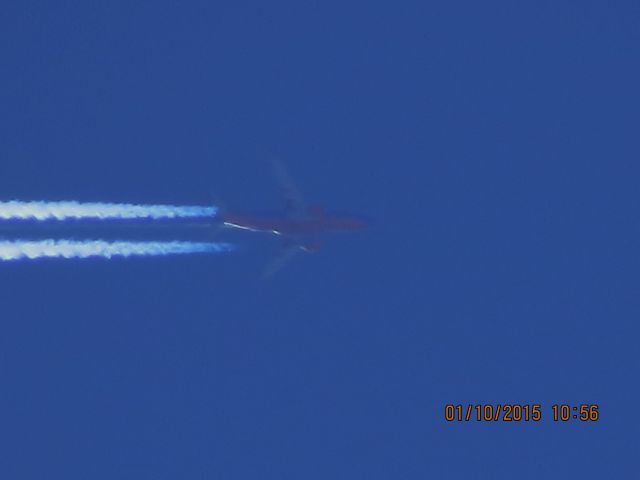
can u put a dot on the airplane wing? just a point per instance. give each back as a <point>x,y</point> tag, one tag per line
<point>287,253</point>
<point>294,204</point>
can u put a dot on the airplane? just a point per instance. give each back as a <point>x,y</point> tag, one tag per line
<point>301,226</point>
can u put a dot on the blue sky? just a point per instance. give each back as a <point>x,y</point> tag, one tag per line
<point>494,145</point>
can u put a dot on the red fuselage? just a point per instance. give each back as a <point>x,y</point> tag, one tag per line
<point>292,226</point>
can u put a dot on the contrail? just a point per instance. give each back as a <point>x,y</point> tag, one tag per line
<point>27,249</point>
<point>65,210</point>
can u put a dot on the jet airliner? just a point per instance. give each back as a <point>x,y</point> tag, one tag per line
<point>301,226</point>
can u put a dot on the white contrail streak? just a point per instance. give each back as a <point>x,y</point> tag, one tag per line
<point>27,249</point>
<point>65,210</point>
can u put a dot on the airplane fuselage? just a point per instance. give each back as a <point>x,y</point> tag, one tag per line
<point>294,226</point>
